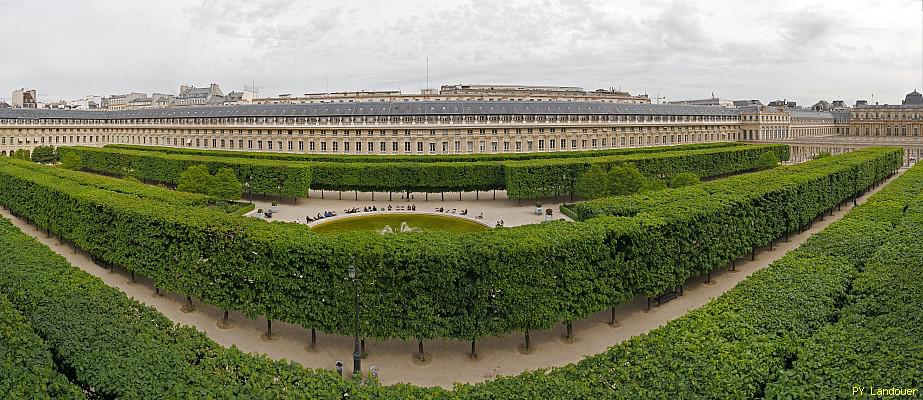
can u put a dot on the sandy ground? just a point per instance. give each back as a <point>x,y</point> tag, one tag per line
<point>512,212</point>
<point>449,360</point>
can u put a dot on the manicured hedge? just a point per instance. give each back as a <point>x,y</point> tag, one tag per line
<point>116,185</point>
<point>425,285</point>
<point>521,179</point>
<point>27,370</point>
<point>876,341</point>
<point>745,344</point>
<point>117,347</point>
<point>264,176</point>
<point>441,158</point>
<point>792,330</point>
<point>553,177</point>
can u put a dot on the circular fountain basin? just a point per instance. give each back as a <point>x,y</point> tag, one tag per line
<point>394,222</point>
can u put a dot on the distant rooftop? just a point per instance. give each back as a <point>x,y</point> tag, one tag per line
<point>383,108</point>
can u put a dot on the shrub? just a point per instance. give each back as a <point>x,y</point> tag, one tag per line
<point>196,179</point>
<point>625,179</point>
<point>225,185</point>
<point>593,184</point>
<point>684,179</point>
<point>767,160</point>
<point>44,155</point>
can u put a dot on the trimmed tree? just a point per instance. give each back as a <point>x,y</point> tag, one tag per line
<point>684,179</point>
<point>767,160</point>
<point>44,155</point>
<point>625,179</point>
<point>195,179</point>
<point>592,184</point>
<point>225,185</point>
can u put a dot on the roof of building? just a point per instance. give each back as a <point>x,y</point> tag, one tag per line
<point>383,109</point>
<point>810,114</point>
<point>913,98</point>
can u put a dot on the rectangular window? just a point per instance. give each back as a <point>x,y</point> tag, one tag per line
<point>336,146</point>
<point>311,146</point>
<point>214,143</point>
<point>280,144</point>
<point>420,147</point>
<point>269,144</point>
<point>300,145</point>
<point>518,146</point>
<point>407,147</point>
<point>250,144</point>
<point>323,146</point>
<point>432,147</point>
<point>541,144</point>
<point>346,147</point>
<point>573,143</point>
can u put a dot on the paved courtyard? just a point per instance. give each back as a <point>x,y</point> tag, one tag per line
<point>481,207</point>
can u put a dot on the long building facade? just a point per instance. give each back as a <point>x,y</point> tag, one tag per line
<point>408,128</point>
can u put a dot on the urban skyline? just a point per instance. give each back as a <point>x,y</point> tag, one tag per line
<point>800,51</point>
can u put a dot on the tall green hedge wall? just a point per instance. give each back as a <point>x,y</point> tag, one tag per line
<point>840,310</point>
<point>423,285</point>
<point>264,176</point>
<point>521,179</point>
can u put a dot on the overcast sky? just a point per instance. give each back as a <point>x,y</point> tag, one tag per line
<point>802,50</point>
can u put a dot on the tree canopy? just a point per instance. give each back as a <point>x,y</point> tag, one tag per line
<point>44,154</point>
<point>195,179</point>
<point>625,179</point>
<point>592,184</point>
<point>225,185</point>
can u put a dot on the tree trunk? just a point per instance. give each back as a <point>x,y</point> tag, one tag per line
<point>420,348</point>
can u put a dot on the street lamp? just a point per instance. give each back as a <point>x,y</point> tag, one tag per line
<point>357,353</point>
<point>249,192</point>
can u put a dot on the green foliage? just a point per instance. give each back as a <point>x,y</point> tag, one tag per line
<point>458,285</point>
<point>264,176</point>
<point>44,154</point>
<point>123,349</point>
<point>225,185</point>
<point>71,160</point>
<point>21,154</point>
<point>27,370</point>
<point>684,179</point>
<point>625,180</point>
<point>652,185</point>
<point>784,328</point>
<point>877,338</point>
<point>196,179</point>
<point>592,184</point>
<point>822,154</point>
<point>533,175</point>
<point>131,179</point>
<point>767,160</point>
<point>553,177</point>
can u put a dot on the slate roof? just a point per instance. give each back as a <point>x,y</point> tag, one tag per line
<point>417,108</point>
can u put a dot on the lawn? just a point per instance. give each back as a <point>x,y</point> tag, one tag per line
<point>377,222</point>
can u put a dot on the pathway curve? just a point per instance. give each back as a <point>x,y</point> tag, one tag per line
<point>450,362</point>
